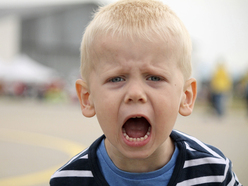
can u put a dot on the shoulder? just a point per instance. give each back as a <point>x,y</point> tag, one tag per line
<point>194,146</point>
<point>202,163</point>
<point>78,170</point>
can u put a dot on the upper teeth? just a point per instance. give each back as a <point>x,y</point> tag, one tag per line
<point>137,117</point>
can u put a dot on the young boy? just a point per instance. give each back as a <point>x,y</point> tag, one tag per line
<point>136,66</point>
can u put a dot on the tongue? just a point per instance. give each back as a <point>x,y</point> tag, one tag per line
<point>136,127</point>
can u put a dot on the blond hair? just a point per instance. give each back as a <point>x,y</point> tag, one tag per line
<point>145,19</point>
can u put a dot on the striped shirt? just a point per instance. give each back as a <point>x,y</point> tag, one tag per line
<point>197,164</point>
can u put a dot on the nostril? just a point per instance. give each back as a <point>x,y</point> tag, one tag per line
<point>136,99</point>
<point>135,93</point>
<point>142,100</point>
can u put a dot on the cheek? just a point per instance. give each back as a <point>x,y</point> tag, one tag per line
<point>168,104</point>
<point>106,111</point>
<point>166,112</point>
<point>105,107</point>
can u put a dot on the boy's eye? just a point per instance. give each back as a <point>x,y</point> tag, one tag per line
<point>154,78</point>
<point>116,79</point>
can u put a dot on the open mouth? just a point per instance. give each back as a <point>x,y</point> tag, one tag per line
<point>136,129</point>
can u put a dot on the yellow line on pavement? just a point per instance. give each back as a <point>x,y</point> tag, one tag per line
<point>36,139</point>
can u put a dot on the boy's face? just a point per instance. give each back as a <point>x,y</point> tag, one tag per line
<point>136,91</point>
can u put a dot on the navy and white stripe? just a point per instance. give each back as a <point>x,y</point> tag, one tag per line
<point>204,164</point>
<point>197,164</point>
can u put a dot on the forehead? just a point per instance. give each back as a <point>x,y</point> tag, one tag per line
<point>109,48</point>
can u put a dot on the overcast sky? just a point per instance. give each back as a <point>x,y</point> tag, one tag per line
<point>219,29</point>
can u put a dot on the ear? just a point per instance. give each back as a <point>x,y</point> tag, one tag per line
<point>188,97</point>
<point>83,94</point>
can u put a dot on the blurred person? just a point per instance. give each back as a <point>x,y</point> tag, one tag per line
<point>55,91</point>
<point>1,88</point>
<point>136,70</point>
<point>220,86</point>
<point>246,95</point>
<point>20,89</point>
<point>244,83</point>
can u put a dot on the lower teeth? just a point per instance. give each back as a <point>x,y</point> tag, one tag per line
<point>137,139</point>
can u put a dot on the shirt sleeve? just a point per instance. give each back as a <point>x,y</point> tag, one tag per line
<point>230,179</point>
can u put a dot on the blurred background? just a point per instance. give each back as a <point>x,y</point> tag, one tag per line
<point>41,125</point>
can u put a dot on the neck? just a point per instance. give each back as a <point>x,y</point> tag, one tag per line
<point>154,162</point>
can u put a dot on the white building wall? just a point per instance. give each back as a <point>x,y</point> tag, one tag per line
<point>9,37</point>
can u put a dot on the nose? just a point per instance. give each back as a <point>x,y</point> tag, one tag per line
<point>135,93</point>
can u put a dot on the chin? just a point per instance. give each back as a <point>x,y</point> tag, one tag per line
<point>137,154</point>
